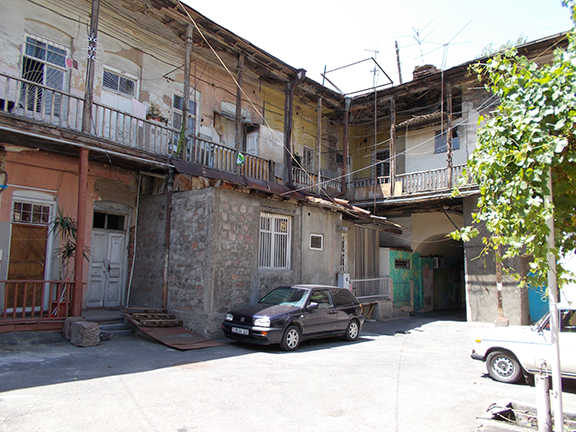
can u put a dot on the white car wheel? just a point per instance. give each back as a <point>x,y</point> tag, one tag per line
<point>503,366</point>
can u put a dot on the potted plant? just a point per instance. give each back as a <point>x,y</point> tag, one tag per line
<point>155,114</point>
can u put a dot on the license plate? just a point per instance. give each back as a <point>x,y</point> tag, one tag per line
<point>240,331</point>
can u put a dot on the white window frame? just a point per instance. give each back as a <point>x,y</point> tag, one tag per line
<point>120,75</point>
<point>321,237</point>
<point>275,241</point>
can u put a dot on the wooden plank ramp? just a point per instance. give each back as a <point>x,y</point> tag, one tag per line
<point>165,328</point>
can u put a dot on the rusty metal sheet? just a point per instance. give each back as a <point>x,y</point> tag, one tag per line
<point>179,338</point>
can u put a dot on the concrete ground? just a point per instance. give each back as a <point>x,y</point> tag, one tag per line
<point>409,374</point>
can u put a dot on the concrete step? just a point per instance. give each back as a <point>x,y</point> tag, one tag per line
<point>115,329</point>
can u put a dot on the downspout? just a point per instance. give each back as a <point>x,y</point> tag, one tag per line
<point>288,107</point>
<point>170,184</point>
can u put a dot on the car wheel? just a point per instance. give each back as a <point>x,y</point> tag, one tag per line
<point>503,367</point>
<point>291,339</point>
<point>352,331</point>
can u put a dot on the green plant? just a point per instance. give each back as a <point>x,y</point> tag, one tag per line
<point>65,227</point>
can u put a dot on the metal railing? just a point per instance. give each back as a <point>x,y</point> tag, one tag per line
<point>303,179</point>
<point>371,289</point>
<point>34,299</point>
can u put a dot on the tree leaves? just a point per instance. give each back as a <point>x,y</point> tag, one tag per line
<point>530,135</point>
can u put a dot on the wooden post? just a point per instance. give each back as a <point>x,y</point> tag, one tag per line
<point>348,101</point>
<point>89,86</point>
<point>238,131</point>
<point>80,233</point>
<point>392,146</point>
<point>186,101</point>
<point>449,134</point>
<point>319,142</point>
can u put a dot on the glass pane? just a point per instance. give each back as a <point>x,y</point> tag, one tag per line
<point>56,56</point>
<point>115,222</point>
<point>99,220</point>
<point>178,102</point>
<point>35,48</point>
<point>54,78</point>
<point>127,86</point>
<point>110,80</point>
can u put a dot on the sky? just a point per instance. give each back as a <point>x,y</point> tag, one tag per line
<point>319,35</point>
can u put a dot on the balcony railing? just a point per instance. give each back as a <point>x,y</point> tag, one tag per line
<point>47,105</point>
<point>430,181</point>
<point>371,289</point>
<point>308,181</point>
<point>33,299</point>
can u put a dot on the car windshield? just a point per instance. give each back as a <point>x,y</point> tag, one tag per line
<point>285,296</point>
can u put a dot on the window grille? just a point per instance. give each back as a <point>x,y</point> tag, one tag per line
<point>275,239</point>
<point>400,263</point>
<point>119,84</point>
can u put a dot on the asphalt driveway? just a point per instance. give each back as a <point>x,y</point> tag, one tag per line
<point>409,374</point>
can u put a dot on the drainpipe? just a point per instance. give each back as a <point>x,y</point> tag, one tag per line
<point>88,93</point>
<point>170,184</point>
<point>80,234</point>
<point>238,131</point>
<point>288,106</point>
<point>347,102</point>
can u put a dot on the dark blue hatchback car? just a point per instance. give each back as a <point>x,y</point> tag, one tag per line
<point>290,314</point>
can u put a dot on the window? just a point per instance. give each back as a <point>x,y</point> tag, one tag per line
<point>343,297</point>
<point>108,221</point>
<point>400,263</point>
<point>30,213</point>
<point>308,159</point>
<point>441,144</point>
<point>275,238</point>
<point>316,241</point>
<point>115,82</point>
<point>383,163</point>
<point>322,297</point>
<point>178,114</point>
<point>44,63</point>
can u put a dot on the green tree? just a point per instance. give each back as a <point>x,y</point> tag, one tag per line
<point>530,136</point>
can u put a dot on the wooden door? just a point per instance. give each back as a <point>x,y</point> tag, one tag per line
<point>27,260</point>
<point>107,261</point>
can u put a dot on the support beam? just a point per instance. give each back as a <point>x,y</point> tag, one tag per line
<point>81,214</point>
<point>319,142</point>
<point>288,107</point>
<point>183,140</point>
<point>88,91</point>
<point>238,131</point>
<point>348,102</point>
<point>170,185</point>
<point>449,133</point>
<point>392,146</point>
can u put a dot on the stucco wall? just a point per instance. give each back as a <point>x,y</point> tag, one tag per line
<point>481,293</point>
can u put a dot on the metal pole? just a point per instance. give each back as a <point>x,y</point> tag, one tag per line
<point>398,62</point>
<point>319,141</point>
<point>554,322</point>
<point>392,145</point>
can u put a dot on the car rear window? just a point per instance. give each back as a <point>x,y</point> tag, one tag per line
<point>343,297</point>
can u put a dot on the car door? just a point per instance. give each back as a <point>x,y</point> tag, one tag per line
<point>566,342</point>
<point>322,319</point>
<point>345,305</point>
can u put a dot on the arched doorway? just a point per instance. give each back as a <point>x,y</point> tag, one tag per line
<point>442,273</point>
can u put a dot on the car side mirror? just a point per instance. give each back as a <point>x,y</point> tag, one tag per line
<point>312,306</point>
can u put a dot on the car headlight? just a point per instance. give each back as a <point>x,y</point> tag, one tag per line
<point>229,317</point>
<point>262,322</point>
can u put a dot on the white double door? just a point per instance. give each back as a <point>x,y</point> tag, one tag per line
<point>106,284</point>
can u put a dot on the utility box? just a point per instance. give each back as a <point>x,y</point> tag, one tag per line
<point>344,280</point>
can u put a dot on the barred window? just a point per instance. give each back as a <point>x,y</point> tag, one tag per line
<point>120,84</point>
<point>401,263</point>
<point>275,239</point>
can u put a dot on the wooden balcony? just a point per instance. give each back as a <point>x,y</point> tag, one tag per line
<point>36,102</point>
<point>415,183</point>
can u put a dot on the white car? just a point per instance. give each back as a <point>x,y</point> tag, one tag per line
<point>516,351</point>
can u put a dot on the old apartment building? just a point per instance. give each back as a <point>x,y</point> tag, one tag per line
<point>197,172</point>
